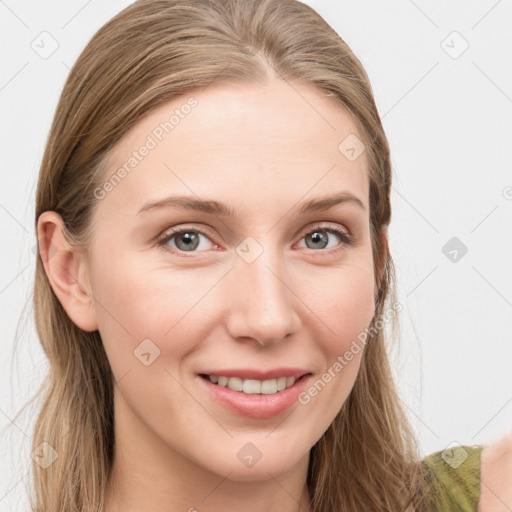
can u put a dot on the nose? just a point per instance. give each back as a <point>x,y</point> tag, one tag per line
<point>262,303</point>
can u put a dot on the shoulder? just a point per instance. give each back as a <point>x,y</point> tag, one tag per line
<point>496,473</point>
<point>452,479</point>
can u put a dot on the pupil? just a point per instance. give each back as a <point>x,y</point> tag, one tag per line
<point>188,240</point>
<point>317,237</point>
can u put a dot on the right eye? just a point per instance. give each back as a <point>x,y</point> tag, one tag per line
<point>185,240</point>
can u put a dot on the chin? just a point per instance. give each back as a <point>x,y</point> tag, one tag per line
<point>259,460</point>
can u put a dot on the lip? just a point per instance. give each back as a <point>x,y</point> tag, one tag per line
<point>257,373</point>
<point>256,406</point>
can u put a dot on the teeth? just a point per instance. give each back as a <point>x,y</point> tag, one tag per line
<point>252,386</point>
<point>235,383</point>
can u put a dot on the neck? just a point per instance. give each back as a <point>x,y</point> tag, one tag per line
<point>139,487</point>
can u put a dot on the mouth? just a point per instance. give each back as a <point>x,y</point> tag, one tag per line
<point>254,386</point>
<point>255,398</point>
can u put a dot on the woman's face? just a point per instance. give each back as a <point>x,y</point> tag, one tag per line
<point>266,292</point>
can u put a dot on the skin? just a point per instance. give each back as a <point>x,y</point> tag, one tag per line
<point>496,476</point>
<point>263,150</point>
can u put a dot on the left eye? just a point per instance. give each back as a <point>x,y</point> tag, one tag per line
<point>188,240</point>
<point>317,236</point>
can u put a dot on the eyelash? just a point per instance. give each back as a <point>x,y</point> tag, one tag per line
<point>345,237</point>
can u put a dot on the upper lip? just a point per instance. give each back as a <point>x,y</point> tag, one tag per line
<point>258,374</point>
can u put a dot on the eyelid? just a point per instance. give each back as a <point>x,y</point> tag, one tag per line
<point>325,225</point>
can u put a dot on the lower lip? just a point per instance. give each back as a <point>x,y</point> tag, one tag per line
<point>252,405</point>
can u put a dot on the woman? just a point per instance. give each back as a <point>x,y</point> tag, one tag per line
<point>215,278</point>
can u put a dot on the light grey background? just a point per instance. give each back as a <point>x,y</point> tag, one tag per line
<point>447,111</point>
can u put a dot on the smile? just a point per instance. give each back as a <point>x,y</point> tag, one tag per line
<point>253,398</point>
<point>252,386</point>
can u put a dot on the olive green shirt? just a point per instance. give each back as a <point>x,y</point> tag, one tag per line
<point>453,479</point>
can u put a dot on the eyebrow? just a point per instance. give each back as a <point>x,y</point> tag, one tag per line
<point>218,208</point>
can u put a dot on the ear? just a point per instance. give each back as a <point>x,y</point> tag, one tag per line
<point>67,271</point>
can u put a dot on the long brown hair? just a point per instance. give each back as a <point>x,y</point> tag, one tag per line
<point>150,53</point>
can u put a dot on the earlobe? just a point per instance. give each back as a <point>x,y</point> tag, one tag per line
<point>66,270</point>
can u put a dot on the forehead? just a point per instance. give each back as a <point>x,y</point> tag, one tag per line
<point>239,143</point>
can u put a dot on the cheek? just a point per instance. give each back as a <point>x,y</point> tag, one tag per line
<point>345,301</point>
<point>137,300</point>
<point>125,299</point>
<point>355,302</point>
<point>345,311</point>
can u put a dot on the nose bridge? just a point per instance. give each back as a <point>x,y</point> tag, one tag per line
<point>262,305</point>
